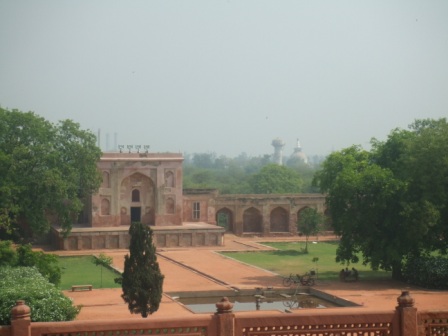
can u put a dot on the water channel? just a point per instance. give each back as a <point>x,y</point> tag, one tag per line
<point>247,301</point>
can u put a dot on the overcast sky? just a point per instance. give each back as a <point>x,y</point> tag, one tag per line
<point>227,76</point>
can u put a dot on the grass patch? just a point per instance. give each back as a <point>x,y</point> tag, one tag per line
<point>81,270</point>
<point>290,258</point>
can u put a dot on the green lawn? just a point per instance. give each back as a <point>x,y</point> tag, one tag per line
<point>82,271</point>
<point>289,258</point>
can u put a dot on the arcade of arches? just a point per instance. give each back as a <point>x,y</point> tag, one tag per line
<point>277,222</point>
<point>251,214</point>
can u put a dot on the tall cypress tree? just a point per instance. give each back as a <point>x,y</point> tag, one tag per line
<point>142,280</point>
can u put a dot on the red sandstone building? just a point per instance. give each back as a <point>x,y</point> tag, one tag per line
<point>147,187</point>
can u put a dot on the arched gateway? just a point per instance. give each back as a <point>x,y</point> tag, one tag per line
<point>137,196</point>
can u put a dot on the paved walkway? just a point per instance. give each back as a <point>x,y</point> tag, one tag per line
<point>202,269</point>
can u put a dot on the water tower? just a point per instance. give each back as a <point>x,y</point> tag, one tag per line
<point>278,151</point>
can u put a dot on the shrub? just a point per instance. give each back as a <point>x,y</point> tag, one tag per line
<point>47,303</point>
<point>47,264</point>
<point>428,272</point>
<point>8,256</point>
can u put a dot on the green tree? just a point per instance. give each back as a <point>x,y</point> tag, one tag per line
<point>103,261</point>
<point>46,264</point>
<point>419,157</point>
<point>306,172</point>
<point>141,281</point>
<point>48,171</point>
<point>390,203</point>
<point>204,160</point>
<point>23,255</point>
<point>8,256</point>
<point>235,175</point>
<point>275,179</point>
<point>309,223</point>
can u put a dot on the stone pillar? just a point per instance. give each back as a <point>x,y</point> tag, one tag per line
<point>20,319</point>
<point>408,314</point>
<point>238,221</point>
<point>266,220</point>
<point>293,220</point>
<point>225,318</point>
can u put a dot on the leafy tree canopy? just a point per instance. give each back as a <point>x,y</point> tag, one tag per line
<point>275,179</point>
<point>233,175</point>
<point>392,201</point>
<point>309,223</point>
<point>47,171</point>
<point>102,260</point>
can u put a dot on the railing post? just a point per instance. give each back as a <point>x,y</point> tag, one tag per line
<point>225,318</point>
<point>20,319</point>
<point>408,315</point>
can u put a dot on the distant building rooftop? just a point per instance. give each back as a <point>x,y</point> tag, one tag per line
<point>116,156</point>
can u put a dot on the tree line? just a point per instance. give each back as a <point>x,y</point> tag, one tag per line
<point>247,175</point>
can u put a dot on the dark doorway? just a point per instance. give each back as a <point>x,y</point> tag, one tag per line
<point>136,214</point>
<point>224,219</point>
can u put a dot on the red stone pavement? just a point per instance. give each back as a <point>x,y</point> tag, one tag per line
<point>202,269</point>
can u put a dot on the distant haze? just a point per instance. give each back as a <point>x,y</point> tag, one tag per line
<point>227,76</point>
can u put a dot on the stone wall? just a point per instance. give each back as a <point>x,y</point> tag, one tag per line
<point>265,215</point>
<point>187,235</point>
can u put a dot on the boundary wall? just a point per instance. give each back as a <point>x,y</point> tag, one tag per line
<point>405,320</point>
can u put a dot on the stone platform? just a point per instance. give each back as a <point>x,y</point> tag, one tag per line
<point>94,238</point>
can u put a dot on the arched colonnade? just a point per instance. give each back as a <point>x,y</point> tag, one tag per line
<point>256,220</point>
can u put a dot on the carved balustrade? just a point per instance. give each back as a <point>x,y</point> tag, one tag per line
<point>405,320</point>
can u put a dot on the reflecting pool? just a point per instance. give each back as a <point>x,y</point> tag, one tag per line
<point>243,302</point>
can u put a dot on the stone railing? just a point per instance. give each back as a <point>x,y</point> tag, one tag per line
<point>405,320</point>
<point>433,323</point>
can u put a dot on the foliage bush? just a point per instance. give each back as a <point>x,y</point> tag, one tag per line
<point>47,303</point>
<point>23,255</point>
<point>8,256</point>
<point>429,272</point>
<point>46,264</point>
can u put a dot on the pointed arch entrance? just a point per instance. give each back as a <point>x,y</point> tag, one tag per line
<point>252,221</point>
<point>279,220</point>
<point>224,218</point>
<point>137,200</point>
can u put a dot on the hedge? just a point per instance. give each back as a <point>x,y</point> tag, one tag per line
<point>46,301</point>
<point>428,272</point>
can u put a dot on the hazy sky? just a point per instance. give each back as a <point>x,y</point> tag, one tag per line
<point>227,76</point>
